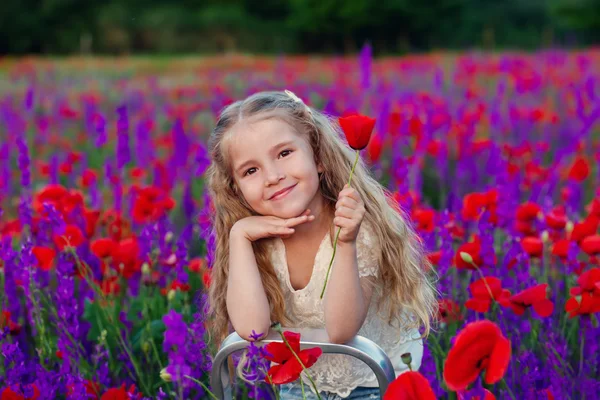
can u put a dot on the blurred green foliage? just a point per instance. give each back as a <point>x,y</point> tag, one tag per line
<point>292,26</point>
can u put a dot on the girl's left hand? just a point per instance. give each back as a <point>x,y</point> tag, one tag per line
<point>349,213</point>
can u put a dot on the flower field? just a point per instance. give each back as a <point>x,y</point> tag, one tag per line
<point>105,239</point>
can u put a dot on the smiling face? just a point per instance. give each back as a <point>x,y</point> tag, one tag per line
<point>269,155</point>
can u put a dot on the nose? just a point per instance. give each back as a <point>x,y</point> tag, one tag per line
<point>273,177</point>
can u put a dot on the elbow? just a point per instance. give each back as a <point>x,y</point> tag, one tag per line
<point>338,336</point>
<point>255,333</point>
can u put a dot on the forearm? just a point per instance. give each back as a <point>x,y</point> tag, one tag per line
<point>247,302</point>
<point>344,300</point>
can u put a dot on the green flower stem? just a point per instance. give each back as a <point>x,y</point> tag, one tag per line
<point>203,386</point>
<point>338,232</point>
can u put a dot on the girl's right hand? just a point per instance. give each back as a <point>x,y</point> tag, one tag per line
<point>259,227</point>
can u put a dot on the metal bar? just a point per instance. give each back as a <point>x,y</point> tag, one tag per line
<point>359,347</point>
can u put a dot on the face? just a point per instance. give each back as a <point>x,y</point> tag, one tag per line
<point>268,156</point>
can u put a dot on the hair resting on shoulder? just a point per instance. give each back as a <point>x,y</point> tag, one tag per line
<point>403,278</point>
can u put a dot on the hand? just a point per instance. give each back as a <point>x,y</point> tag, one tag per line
<point>259,227</point>
<point>349,213</point>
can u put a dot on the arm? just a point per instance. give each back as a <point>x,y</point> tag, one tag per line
<point>247,302</point>
<point>348,296</point>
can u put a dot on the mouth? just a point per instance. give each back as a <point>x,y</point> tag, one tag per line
<point>282,193</point>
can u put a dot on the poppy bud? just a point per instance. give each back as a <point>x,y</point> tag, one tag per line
<point>466,257</point>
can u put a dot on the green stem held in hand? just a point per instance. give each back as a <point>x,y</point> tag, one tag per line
<point>338,232</point>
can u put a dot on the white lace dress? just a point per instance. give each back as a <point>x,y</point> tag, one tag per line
<point>340,374</point>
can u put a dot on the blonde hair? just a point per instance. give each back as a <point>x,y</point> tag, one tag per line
<point>403,276</point>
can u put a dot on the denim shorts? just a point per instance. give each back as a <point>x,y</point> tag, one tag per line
<point>293,391</point>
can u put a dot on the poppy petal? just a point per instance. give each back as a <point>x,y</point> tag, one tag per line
<point>410,385</point>
<point>277,352</point>
<point>543,308</point>
<point>498,362</point>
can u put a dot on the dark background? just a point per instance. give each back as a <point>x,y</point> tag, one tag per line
<point>292,26</point>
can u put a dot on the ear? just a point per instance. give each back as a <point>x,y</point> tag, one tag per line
<point>320,168</point>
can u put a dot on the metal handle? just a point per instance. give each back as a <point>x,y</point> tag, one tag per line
<point>359,347</point>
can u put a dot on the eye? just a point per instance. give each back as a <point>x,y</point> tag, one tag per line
<point>248,171</point>
<point>287,151</point>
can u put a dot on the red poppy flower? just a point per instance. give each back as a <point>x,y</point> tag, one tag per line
<point>5,319</point>
<point>561,248</point>
<point>471,248</point>
<point>88,177</point>
<point>434,257</point>
<point>449,311</point>
<point>121,393</point>
<point>410,385</point>
<point>175,285</point>
<point>536,297</point>
<point>126,257</point>
<point>374,148</point>
<point>103,247</point>
<point>579,170</point>
<point>481,297</point>
<point>475,203</point>
<point>528,211</point>
<point>44,256</point>
<point>556,219</point>
<point>533,246</point>
<point>480,346</point>
<point>197,264</point>
<point>425,219</point>
<point>72,236</point>
<point>358,129</point>
<point>588,281</point>
<point>9,394</point>
<point>289,369</point>
<point>150,204</point>
<point>591,245</point>
<point>585,228</point>
<point>583,304</point>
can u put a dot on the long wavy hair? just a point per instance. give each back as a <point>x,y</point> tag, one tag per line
<point>403,280</point>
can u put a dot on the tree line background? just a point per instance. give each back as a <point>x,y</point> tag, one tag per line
<point>292,26</point>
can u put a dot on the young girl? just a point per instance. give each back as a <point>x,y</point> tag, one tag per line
<point>278,185</point>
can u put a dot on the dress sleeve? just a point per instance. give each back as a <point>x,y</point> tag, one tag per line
<point>367,251</point>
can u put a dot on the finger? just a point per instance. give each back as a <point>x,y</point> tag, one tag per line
<point>346,201</point>
<point>343,222</point>
<point>281,230</point>
<point>346,212</point>
<point>349,192</point>
<point>298,220</point>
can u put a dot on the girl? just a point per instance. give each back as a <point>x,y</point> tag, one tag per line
<point>277,183</point>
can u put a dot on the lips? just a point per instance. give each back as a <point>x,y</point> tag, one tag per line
<point>282,191</point>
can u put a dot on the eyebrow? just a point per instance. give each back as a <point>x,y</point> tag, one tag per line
<point>276,147</point>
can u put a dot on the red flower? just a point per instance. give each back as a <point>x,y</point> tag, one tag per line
<point>45,257</point>
<point>536,297</point>
<point>425,219</point>
<point>561,248</point>
<point>434,257</point>
<point>103,247</point>
<point>587,227</point>
<point>482,298</point>
<point>410,385</point>
<point>5,319</point>
<point>479,346</point>
<point>528,211</point>
<point>533,246</point>
<point>475,203</point>
<point>9,394</point>
<point>579,170</point>
<point>121,394</point>
<point>289,369</point>
<point>583,304</point>
<point>150,204</point>
<point>588,281</point>
<point>556,219</point>
<point>72,236</point>
<point>126,257</point>
<point>358,129</point>
<point>471,248</point>
<point>449,311</point>
<point>374,148</point>
<point>591,245</point>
